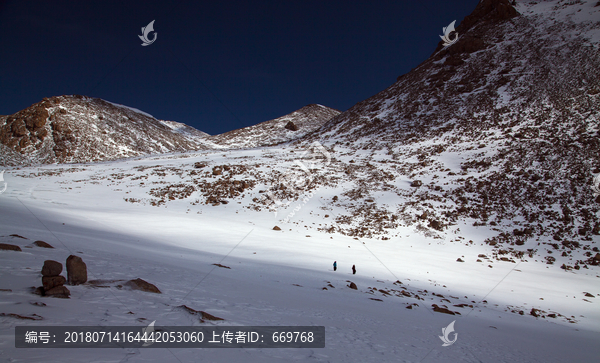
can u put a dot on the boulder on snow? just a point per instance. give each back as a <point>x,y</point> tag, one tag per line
<point>353,286</point>
<point>534,312</point>
<point>139,284</point>
<point>276,228</point>
<point>76,270</point>
<point>51,282</point>
<point>58,291</point>
<point>42,244</point>
<point>416,183</point>
<point>9,247</point>
<point>52,268</point>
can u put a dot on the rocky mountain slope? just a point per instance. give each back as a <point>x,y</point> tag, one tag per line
<point>283,129</point>
<point>70,129</point>
<point>499,130</point>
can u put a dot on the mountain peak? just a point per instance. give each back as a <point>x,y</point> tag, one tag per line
<point>304,120</point>
<point>74,128</point>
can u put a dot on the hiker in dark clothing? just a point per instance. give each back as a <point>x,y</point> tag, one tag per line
<point>353,270</point>
<point>334,265</point>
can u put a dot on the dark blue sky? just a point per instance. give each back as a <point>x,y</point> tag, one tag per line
<point>217,65</point>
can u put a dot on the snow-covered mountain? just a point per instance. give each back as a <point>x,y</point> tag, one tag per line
<point>68,129</point>
<point>280,130</point>
<point>75,129</point>
<point>461,194</point>
<point>500,129</point>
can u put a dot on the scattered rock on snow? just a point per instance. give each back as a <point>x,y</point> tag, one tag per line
<point>459,260</point>
<point>439,309</point>
<point>416,183</point>
<point>534,312</point>
<point>208,316</point>
<point>139,284</point>
<point>222,266</point>
<point>23,317</point>
<point>353,286</point>
<point>42,244</point>
<point>204,315</point>
<point>9,247</point>
<point>276,228</point>
<point>58,291</point>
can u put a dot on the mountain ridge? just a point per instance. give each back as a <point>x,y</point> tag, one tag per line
<point>75,129</point>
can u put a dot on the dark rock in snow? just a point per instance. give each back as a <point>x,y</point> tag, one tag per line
<point>139,284</point>
<point>9,247</point>
<point>51,282</point>
<point>42,244</point>
<point>58,291</point>
<point>76,270</point>
<point>291,126</point>
<point>52,268</point>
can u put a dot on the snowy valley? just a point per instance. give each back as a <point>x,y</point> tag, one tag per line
<point>463,192</point>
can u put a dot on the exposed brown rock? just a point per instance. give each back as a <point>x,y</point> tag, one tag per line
<point>439,309</point>
<point>9,247</point>
<point>202,314</point>
<point>58,291</point>
<point>353,286</point>
<point>52,268</point>
<point>139,284</point>
<point>76,270</point>
<point>222,266</point>
<point>22,317</point>
<point>42,244</point>
<point>208,316</point>
<point>291,126</point>
<point>50,282</point>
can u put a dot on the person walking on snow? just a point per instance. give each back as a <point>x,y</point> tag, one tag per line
<point>353,270</point>
<point>334,265</point>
